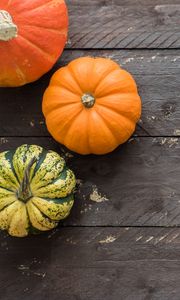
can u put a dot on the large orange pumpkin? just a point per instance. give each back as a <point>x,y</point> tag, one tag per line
<point>91,105</point>
<point>32,37</point>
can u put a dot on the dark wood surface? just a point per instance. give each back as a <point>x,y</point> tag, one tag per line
<point>122,240</point>
<point>92,263</point>
<point>124,24</point>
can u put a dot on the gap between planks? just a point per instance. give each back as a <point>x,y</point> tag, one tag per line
<point>122,49</point>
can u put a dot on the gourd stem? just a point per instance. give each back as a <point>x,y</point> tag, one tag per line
<point>24,192</point>
<point>8,30</point>
<point>88,100</point>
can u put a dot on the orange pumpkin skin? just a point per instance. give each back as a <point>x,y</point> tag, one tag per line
<point>41,35</point>
<point>89,126</point>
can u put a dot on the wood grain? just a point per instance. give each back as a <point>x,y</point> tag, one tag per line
<point>136,185</point>
<point>92,263</point>
<point>114,245</point>
<point>124,24</point>
<point>157,76</point>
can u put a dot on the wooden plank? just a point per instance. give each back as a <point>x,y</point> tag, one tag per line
<point>157,76</point>
<point>92,263</point>
<point>136,185</point>
<point>124,24</point>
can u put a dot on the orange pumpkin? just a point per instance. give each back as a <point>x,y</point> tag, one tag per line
<point>91,105</point>
<point>33,34</point>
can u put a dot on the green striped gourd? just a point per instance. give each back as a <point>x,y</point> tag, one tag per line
<point>36,190</point>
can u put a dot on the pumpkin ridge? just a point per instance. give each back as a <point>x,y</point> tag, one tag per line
<point>12,214</point>
<point>55,82</point>
<point>55,85</point>
<point>88,137</point>
<point>70,69</point>
<point>107,126</point>
<point>63,174</point>
<point>121,113</point>
<point>125,128</point>
<point>63,31</point>
<point>29,221</point>
<point>48,56</point>
<point>39,162</point>
<point>110,93</point>
<point>20,74</point>
<point>23,230</point>
<point>6,189</point>
<point>66,188</point>
<point>62,200</point>
<point>41,225</point>
<point>42,5</point>
<point>9,193</point>
<point>68,124</point>
<point>103,77</point>
<point>11,162</point>
<point>7,205</point>
<point>57,112</point>
<point>51,219</point>
<point>54,180</point>
<point>71,125</point>
<point>83,113</point>
<point>7,179</point>
<point>59,107</point>
<point>9,3</point>
<point>44,215</point>
<point>129,77</point>
<point>24,158</point>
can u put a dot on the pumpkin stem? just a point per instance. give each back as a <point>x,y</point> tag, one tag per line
<point>24,192</point>
<point>88,100</point>
<point>8,30</point>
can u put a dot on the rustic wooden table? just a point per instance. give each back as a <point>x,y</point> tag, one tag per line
<point>126,244</point>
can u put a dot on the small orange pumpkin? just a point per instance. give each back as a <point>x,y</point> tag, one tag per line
<point>33,34</point>
<point>91,105</point>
